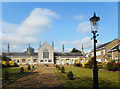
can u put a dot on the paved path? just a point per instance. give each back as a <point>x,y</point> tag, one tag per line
<point>39,78</point>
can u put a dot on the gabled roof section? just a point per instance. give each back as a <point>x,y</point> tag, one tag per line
<point>115,48</point>
<point>44,44</point>
<point>102,46</point>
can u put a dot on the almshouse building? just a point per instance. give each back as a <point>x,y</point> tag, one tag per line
<point>107,51</point>
<point>45,55</point>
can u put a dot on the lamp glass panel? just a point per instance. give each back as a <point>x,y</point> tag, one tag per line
<point>94,26</point>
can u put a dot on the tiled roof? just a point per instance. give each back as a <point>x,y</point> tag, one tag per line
<point>114,48</point>
<point>68,54</point>
<point>101,46</point>
<point>36,54</point>
<point>20,54</point>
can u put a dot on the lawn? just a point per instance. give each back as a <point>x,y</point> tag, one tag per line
<point>14,73</point>
<point>84,78</point>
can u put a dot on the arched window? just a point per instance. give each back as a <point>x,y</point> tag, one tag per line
<point>45,54</point>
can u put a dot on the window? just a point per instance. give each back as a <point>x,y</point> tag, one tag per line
<point>116,59</point>
<point>29,62</point>
<point>98,53</point>
<point>106,60</point>
<point>73,61</point>
<point>57,61</point>
<point>14,60</point>
<point>23,60</point>
<point>46,54</point>
<point>41,60</point>
<point>104,51</point>
<point>62,62</point>
<point>67,61</point>
<point>99,60</point>
<point>35,60</point>
<point>49,60</point>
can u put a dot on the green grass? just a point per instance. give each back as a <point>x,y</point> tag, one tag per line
<point>14,74</point>
<point>84,78</point>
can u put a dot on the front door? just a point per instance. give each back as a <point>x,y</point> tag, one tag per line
<point>62,62</point>
<point>29,62</point>
<point>73,61</point>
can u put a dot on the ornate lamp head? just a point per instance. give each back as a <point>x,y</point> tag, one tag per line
<point>94,22</point>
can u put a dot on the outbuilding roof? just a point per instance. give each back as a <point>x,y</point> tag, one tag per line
<point>68,54</point>
<point>20,54</point>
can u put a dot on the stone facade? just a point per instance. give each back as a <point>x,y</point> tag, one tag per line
<point>45,55</point>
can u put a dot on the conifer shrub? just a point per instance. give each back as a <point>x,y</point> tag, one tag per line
<point>58,67</point>
<point>22,70</point>
<point>5,75</point>
<point>62,69</point>
<point>33,67</point>
<point>29,68</point>
<point>77,64</point>
<point>70,75</point>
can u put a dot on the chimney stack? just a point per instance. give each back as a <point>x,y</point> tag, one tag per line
<point>52,45</point>
<point>39,44</point>
<point>8,50</point>
<point>63,48</point>
<point>82,49</point>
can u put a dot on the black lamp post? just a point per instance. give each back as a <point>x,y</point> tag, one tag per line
<point>94,24</point>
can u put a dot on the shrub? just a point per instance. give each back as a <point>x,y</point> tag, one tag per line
<point>90,63</point>
<point>21,70</point>
<point>77,64</point>
<point>117,66</point>
<point>29,68</point>
<point>12,63</point>
<point>16,65</point>
<point>4,63</point>
<point>62,69</point>
<point>67,63</point>
<point>100,65</point>
<point>83,64</point>
<point>33,67</point>
<point>110,65</point>
<point>70,75</point>
<point>86,65</point>
<point>58,67</point>
<point>5,75</point>
<point>105,67</point>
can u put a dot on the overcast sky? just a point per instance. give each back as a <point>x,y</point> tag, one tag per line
<point>63,23</point>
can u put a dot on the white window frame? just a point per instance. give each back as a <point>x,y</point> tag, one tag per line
<point>104,51</point>
<point>98,53</point>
